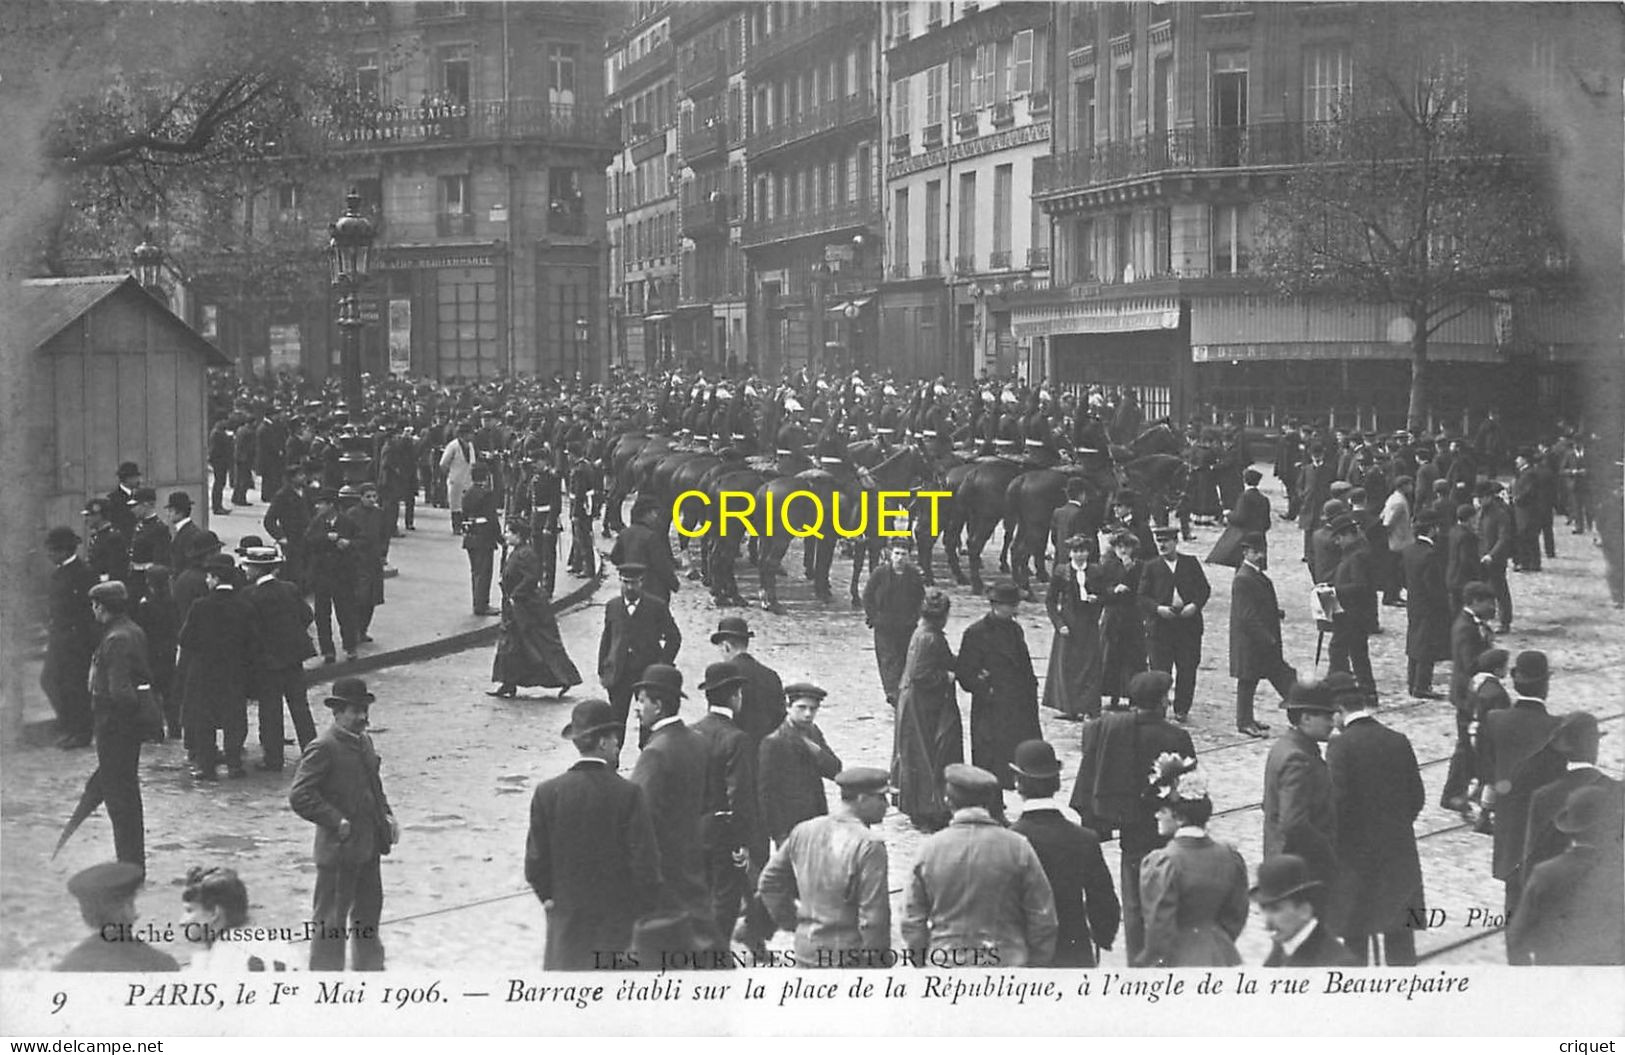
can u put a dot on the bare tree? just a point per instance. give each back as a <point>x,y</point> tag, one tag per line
<point>1417,192</point>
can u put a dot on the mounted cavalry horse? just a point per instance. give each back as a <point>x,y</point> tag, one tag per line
<point>1151,466</point>
<point>853,496</point>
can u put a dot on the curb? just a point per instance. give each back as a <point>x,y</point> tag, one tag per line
<point>40,733</point>
<point>445,646</point>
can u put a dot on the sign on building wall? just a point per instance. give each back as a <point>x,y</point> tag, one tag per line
<point>400,336</point>
<point>285,347</point>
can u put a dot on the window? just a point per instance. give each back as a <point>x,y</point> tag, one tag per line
<point>1003,70</point>
<point>966,252</point>
<point>368,79</point>
<point>466,314</point>
<point>1327,78</point>
<point>933,95</point>
<point>1162,245</point>
<point>1232,239</point>
<point>456,206</point>
<point>843,182</point>
<point>865,178</point>
<point>456,73</point>
<point>1123,104</point>
<point>1023,70</point>
<point>933,225</point>
<point>956,87</point>
<point>902,89</point>
<point>1083,251</point>
<point>899,229</point>
<point>987,58</point>
<point>899,20</point>
<point>1162,100</point>
<point>287,198</point>
<point>1084,113</point>
<point>371,189</point>
<point>561,74</point>
<point>1122,246</point>
<point>1003,182</point>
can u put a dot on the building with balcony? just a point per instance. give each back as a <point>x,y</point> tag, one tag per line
<point>711,314</point>
<point>643,221</point>
<point>476,137</point>
<point>1174,127</point>
<point>967,120</point>
<point>812,231</point>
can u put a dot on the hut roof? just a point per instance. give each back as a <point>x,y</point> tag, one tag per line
<point>50,305</point>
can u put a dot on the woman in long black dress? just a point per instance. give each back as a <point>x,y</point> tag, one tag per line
<point>1122,632</point>
<point>929,734</point>
<point>1072,683</point>
<point>530,651</point>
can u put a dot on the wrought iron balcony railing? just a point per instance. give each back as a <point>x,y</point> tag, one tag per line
<point>834,114</point>
<point>813,221</point>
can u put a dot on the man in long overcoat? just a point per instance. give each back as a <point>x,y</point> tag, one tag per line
<point>995,667</point>
<point>638,631</point>
<point>1251,515</point>
<point>1427,608</point>
<point>591,854</point>
<point>1575,739</point>
<point>330,548</point>
<point>1495,546</point>
<point>1314,487</point>
<point>337,788</point>
<point>281,628</point>
<point>730,794</point>
<point>1518,760</point>
<point>1300,816</point>
<point>1356,587</point>
<point>644,542</point>
<point>671,770</point>
<point>1569,912</point>
<point>71,634</point>
<point>1255,634</point>
<point>1173,592</point>
<point>217,640</point>
<point>1377,892</point>
<point>891,605</point>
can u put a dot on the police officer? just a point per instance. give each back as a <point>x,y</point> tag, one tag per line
<point>482,533</point>
<point>544,496</point>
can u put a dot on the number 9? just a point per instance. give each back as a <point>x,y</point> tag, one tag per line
<point>58,1002</point>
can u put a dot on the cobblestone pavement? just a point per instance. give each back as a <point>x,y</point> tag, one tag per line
<point>460,766</point>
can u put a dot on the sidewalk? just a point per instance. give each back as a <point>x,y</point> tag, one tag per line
<point>427,609</point>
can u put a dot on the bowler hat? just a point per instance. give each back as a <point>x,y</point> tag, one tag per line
<point>1310,695</point>
<point>1036,758</point>
<point>1149,688</point>
<point>862,779</point>
<point>128,469</point>
<point>111,881</point>
<point>1490,659</point>
<point>347,691</point>
<point>1344,523</point>
<point>591,716</point>
<point>1343,690</point>
<point>1575,736</point>
<point>1531,666</point>
<point>1254,540</point>
<point>95,505</point>
<point>732,626</point>
<point>723,675</point>
<point>61,538</point>
<point>663,678</point>
<point>1587,809</point>
<point>113,589</point>
<point>1280,877</point>
<point>203,545</point>
<point>804,690</point>
<point>144,494</point>
<point>219,563</point>
<point>1004,593</point>
<point>179,501</point>
<point>1333,508</point>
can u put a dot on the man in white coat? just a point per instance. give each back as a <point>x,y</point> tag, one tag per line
<point>457,461</point>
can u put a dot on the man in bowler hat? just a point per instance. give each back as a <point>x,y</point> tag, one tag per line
<point>1516,758</point>
<point>1299,939</point>
<point>591,854</point>
<point>281,622</point>
<point>70,638</point>
<point>638,631</point>
<point>671,770</point>
<point>730,820</point>
<point>1568,912</point>
<point>1255,633</point>
<point>337,788</point>
<point>1086,907</point>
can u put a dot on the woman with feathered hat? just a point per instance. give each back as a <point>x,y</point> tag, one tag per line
<point>1194,890</point>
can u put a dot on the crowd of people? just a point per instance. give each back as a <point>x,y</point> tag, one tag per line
<point>723,829</point>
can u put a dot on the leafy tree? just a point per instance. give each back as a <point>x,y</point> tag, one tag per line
<point>1422,190</point>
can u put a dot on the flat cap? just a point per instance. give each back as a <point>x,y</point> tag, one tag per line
<point>631,570</point>
<point>862,778</point>
<point>1004,593</point>
<point>804,690</point>
<point>1163,533</point>
<point>973,779</point>
<point>111,589</point>
<point>109,881</point>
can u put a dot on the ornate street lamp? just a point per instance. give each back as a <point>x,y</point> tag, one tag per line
<point>583,334</point>
<point>349,255</point>
<point>149,264</point>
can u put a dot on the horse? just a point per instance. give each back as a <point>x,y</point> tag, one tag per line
<point>869,546</point>
<point>897,473</point>
<point>616,468</point>
<point>981,499</point>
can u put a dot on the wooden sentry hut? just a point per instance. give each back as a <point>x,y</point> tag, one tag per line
<point>113,376</point>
